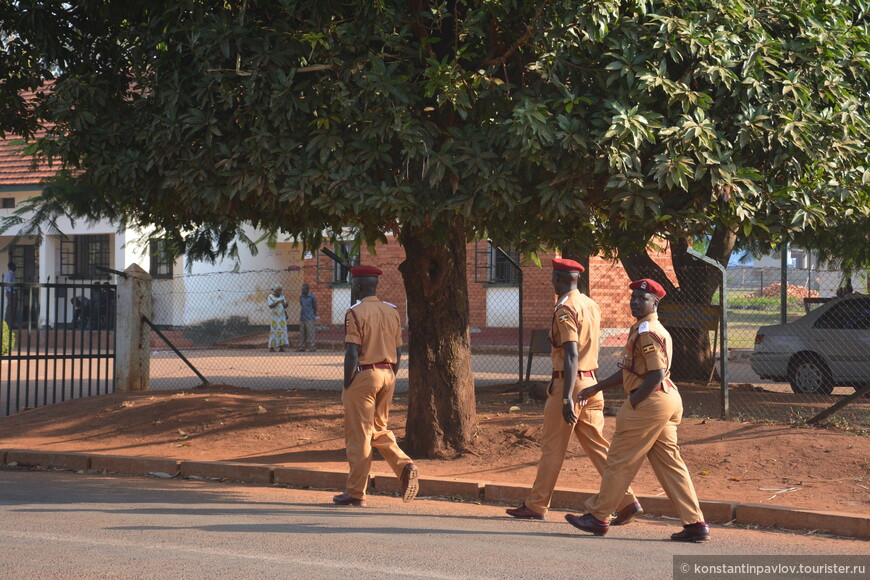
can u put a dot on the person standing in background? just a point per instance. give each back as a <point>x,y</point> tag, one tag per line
<point>11,295</point>
<point>278,326</point>
<point>307,320</point>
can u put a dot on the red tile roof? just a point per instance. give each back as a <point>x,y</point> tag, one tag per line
<point>15,167</point>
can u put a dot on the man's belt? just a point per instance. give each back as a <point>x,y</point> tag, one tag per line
<point>380,365</point>
<point>660,386</point>
<point>581,374</point>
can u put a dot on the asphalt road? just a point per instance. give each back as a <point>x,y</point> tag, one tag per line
<point>67,525</point>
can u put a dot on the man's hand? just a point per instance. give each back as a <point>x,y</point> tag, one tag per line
<point>351,360</point>
<point>587,393</point>
<point>568,412</point>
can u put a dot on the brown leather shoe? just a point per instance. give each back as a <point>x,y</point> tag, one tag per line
<point>410,483</point>
<point>525,513</point>
<point>344,499</point>
<point>588,523</point>
<point>627,514</point>
<point>699,532</point>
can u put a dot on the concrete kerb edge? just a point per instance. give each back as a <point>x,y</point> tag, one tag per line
<point>787,518</point>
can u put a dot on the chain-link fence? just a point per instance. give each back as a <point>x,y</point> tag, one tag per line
<point>221,323</point>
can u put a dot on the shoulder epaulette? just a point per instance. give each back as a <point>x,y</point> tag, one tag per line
<point>390,304</point>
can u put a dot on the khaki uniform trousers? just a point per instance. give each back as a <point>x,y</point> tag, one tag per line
<point>556,436</point>
<point>366,410</point>
<point>649,431</point>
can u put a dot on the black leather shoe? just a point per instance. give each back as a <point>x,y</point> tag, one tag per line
<point>699,532</point>
<point>344,499</point>
<point>525,513</point>
<point>626,514</point>
<point>410,484</point>
<point>588,523</point>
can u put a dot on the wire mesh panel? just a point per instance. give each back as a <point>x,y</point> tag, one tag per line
<point>796,348</point>
<point>221,322</point>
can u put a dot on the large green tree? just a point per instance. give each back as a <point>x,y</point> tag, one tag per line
<point>743,124</point>
<point>594,125</point>
<point>301,118</point>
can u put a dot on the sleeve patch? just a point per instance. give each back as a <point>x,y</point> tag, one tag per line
<point>648,349</point>
<point>563,317</point>
<point>644,327</point>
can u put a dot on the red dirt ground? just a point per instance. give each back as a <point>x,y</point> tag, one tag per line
<point>764,463</point>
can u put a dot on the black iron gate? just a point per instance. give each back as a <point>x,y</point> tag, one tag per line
<point>58,343</point>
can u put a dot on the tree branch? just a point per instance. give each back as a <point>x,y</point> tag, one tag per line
<point>520,41</point>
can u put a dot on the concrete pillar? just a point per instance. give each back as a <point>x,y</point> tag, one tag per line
<point>132,335</point>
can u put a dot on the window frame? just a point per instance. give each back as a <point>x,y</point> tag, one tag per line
<point>77,255</point>
<point>499,265</point>
<point>159,257</point>
<point>339,276</point>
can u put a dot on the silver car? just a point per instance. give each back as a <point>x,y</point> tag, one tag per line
<point>828,347</point>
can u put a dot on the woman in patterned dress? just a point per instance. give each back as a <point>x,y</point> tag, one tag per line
<point>278,327</point>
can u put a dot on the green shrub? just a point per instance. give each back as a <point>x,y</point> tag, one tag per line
<point>759,303</point>
<point>8,339</point>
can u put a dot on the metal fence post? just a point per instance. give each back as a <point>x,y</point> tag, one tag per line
<point>723,348</point>
<point>132,335</point>
<point>723,302</point>
<point>783,285</point>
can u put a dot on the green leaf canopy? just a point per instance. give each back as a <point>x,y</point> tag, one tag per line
<point>539,123</point>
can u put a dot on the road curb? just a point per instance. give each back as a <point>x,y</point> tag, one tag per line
<point>797,519</point>
<point>838,524</point>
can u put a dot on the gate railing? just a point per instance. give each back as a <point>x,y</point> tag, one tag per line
<point>58,343</point>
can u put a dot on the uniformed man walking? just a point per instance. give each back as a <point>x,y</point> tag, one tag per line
<point>646,425</point>
<point>373,350</point>
<point>574,333</point>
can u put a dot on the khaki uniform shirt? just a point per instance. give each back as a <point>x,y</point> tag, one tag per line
<point>375,326</point>
<point>649,348</point>
<point>576,318</point>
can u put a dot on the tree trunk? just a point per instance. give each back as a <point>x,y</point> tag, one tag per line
<point>698,283</point>
<point>441,406</point>
<point>573,252</point>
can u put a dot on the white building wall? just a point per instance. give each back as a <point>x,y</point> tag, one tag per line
<point>502,307</point>
<point>206,292</point>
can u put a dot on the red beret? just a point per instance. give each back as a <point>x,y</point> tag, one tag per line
<point>567,265</point>
<point>650,286</point>
<point>358,271</point>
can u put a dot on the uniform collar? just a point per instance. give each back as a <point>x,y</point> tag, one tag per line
<point>653,317</point>
<point>564,297</point>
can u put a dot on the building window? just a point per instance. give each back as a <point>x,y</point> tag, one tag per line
<point>81,256</point>
<point>501,270</point>
<point>346,250</point>
<point>161,259</point>
<point>8,202</point>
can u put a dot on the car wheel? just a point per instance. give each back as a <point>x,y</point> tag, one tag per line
<point>809,375</point>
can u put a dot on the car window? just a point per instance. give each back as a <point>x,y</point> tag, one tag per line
<point>851,314</point>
